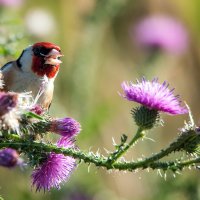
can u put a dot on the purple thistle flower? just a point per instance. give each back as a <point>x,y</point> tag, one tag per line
<point>153,96</point>
<point>9,157</point>
<point>161,32</point>
<point>8,101</point>
<point>9,110</point>
<point>65,126</point>
<point>54,170</point>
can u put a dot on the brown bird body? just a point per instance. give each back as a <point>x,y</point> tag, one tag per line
<point>37,64</point>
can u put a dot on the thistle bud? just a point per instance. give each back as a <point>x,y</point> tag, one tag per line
<point>8,157</point>
<point>8,101</point>
<point>145,118</point>
<point>65,126</point>
<point>37,109</point>
<point>190,141</point>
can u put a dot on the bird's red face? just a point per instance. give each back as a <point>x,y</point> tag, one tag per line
<point>46,59</point>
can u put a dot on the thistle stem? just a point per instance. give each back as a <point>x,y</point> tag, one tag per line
<point>121,149</point>
<point>99,161</point>
<point>20,144</point>
<point>174,146</point>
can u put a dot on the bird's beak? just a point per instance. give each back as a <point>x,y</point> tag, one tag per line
<point>53,57</point>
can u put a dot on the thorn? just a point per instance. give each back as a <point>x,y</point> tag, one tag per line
<point>114,143</point>
<point>178,172</point>
<point>90,148</point>
<point>107,151</point>
<point>165,176</point>
<point>198,167</point>
<point>92,154</point>
<point>97,152</point>
<point>159,173</point>
<point>149,139</point>
<point>136,170</point>
<point>89,167</point>
<point>139,159</point>
<point>190,115</point>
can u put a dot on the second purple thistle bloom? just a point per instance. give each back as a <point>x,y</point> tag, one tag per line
<point>55,170</point>
<point>162,32</point>
<point>153,95</point>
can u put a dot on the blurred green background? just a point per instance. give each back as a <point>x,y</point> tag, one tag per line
<point>100,53</point>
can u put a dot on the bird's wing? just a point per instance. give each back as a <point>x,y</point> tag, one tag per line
<point>10,72</point>
<point>46,97</point>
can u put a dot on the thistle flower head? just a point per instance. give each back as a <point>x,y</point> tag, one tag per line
<point>12,105</point>
<point>161,32</point>
<point>8,157</point>
<point>8,101</point>
<point>153,96</point>
<point>8,110</point>
<point>65,126</point>
<point>54,170</point>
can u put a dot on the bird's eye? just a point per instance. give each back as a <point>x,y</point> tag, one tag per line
<point>44,51</point>
<point>36,51</point>
<point>41,51</point>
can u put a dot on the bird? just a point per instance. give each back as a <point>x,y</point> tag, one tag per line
<point>38,62</point>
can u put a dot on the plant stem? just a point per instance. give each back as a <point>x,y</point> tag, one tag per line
<point>99,161</point>
<point>18,143</point>
<point>174,146</point>
<point>41,147</point>
<point>124,147</point>
<point>172,165</point>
